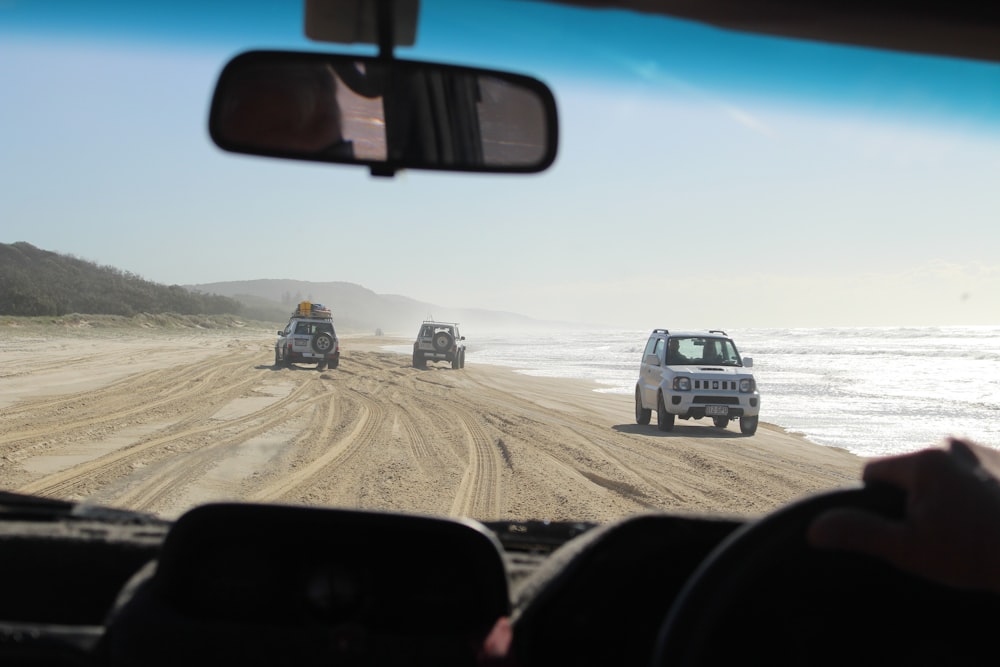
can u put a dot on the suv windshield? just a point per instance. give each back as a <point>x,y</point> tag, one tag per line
<point>281,384</point>
<point>832,208</point>
<point>694,350</point>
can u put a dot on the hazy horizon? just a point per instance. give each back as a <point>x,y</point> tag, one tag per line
<point>647,322</point>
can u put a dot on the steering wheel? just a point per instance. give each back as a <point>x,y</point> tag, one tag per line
<point>765,597</point>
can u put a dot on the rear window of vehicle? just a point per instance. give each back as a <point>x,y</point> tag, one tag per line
<point>311,328</point>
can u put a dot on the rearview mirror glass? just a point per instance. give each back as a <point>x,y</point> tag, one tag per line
<point>387,114</point>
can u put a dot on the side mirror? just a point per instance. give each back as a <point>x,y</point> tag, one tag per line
<point>383,113</point>
<point>748,362</point>
<point>651,360</point>
<point>281,333</point>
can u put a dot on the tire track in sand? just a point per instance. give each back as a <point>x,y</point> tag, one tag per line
<point>105,406</point>
<point>67,482</point>
<point>480,493</point>
<point>174,476</point>
<point>362,434</point>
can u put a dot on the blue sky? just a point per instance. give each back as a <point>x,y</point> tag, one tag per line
<point>695,186</point>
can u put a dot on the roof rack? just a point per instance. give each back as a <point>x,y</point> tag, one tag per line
<point>309,309</point>
<point>718,331</point>
<point>662,331</point>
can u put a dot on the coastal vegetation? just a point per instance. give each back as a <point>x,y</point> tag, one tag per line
<point>36,282</point>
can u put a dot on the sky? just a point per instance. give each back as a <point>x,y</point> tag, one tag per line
<point>691,190</point>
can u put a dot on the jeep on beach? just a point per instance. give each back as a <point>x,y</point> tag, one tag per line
<point>308,338</point>
<point>695,374</point>
<point>439,341</point>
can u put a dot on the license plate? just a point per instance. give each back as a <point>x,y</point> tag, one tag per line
<point>716,410</point>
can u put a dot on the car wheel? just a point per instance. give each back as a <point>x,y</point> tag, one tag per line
<point>456,361</point>
<point>277,358</point>
<point>664,419</point>
<point>333,362</point>
<point>443,341</point>
<point>321,366</point>
<point>322,342</point>
<point>419,361</point>
<point>461,362</point>
<point>720,421</point>
<point>642,415</point>
<point>748,425</point>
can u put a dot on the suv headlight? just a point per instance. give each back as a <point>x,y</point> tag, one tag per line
<point>682,384</point>
<point>747,385</point>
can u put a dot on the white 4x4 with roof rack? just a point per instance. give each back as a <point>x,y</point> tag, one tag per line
<point>695,374</point>
<point>308,338</point>
<point>439,341</point>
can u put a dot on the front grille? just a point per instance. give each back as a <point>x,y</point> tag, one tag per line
<point>716,385</point>
<point>718,400</point>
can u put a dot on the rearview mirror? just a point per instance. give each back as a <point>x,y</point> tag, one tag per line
<point>387,114</point>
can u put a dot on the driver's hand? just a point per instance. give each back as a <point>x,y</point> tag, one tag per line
<point>951,531</point>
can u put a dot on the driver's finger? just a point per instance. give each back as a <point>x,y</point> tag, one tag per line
<point>857,530</point>
<point>908,470</point>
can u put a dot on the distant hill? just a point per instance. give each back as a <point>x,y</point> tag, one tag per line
<point>40,282</point>
<point>36,282</point>
<point>357,308</point>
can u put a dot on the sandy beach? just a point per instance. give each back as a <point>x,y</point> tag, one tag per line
<point>160,422</point>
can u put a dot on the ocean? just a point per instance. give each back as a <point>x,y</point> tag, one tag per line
<point>871,391</point>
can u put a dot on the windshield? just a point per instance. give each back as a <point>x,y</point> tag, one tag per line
<point>692,350</point>
<point>832,208</point>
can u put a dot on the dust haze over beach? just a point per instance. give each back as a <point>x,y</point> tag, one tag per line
<point>160,422</point>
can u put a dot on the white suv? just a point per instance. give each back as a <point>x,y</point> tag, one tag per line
<point>439,341</point>
<point>309,337</point>
<point>695,374</point>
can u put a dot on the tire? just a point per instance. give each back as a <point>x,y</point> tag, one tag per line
<point>664,419</point>
<point>419,361</point>
<point>748,425</point>
<point>461,363</point>
<point>642,415</point>
<point>720,421</point>
<point>456,361</point>
<point>322,342</point>
<point>443,341</point>
<point>321,366</point>
<point>277,358</point>
<point>333,363</point>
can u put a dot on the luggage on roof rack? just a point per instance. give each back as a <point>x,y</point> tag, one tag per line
<point>309,309</point>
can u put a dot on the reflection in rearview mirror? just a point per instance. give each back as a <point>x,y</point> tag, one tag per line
<point>388,114</point>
